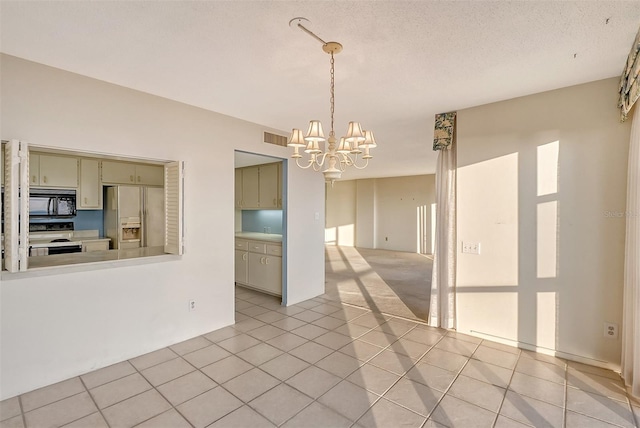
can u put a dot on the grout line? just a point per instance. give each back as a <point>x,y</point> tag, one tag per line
<point>94,402</point>
<point>51,402</point>
<point>506,389</point>
<point>153,387</point>
<point>24,418</point>
<point>444,394</point>
<point>566,393</point>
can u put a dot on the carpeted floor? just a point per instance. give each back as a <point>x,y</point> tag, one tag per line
<point>392,282</point>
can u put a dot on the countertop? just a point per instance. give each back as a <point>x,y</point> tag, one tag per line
<point>92,257</point>
<point>257,236</point>
<point>43,239</point>
<point>41,243</point>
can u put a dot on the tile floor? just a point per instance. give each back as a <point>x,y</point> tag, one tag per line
<point>325,364</point>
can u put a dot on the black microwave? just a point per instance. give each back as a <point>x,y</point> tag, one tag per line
<point>59,203</point>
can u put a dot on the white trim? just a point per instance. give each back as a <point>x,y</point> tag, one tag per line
<point>174,207</point>
<point>546,351</point>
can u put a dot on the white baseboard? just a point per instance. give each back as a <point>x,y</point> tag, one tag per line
<point>552,352</point>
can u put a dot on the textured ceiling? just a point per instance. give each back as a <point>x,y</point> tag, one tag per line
<point>403,61</point>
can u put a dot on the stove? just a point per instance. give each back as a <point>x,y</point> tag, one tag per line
<point>52,238</point>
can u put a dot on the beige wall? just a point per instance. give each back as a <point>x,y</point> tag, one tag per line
<point>403,213</point>
<point>537,176</point>
<point>388,213</point>
<point>61,324</point>
<point>340,227</point>
<point>365,213</point>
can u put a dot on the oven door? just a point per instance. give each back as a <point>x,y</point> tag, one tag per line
<point>65,249</point>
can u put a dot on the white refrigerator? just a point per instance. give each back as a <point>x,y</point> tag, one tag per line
<point>134,216</point>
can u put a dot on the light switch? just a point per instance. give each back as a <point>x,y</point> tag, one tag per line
<point>471,247</point>
<point>317,216</point>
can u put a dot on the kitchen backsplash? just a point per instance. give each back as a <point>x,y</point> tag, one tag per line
<point>84,220</point>
<point>258,220</point>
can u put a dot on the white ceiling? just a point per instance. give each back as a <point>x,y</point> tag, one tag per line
<point>403,61</point>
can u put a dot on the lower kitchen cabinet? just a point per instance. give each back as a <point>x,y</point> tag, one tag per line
<point>99,245</point>
<point>242,266</point>
<point>265,273</point>
<point>259,265</point>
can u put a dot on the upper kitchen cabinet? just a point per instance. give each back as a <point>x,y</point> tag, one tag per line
<point>150,174</point>
<point>53,171</point>
<point>261,187</point>
<point>269,186</point>
<point>279,185</point>
<point>250,188</point>
<point>238,188</point>
<point>130,173</point>
<point>90,189</point>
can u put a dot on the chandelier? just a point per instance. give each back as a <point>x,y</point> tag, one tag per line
<point>356,144</point>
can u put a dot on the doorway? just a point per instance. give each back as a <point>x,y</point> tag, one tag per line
<point>260,225</point>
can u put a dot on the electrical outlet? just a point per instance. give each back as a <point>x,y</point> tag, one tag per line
<point>471,247</point>
<point>610,330</point>
<point>192,305</point>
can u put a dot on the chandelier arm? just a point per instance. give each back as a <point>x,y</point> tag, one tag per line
<point>353,162</point>
<point>309,163</point>
<point>320,162</point>
<point>361,167</point>
<point>346,161</point>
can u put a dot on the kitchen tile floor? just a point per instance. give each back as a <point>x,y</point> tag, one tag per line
<point>322,363</point>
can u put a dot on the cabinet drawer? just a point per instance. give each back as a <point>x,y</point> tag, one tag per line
<point>242,245</point>
<point>274,250</point>
<point>257,247</point>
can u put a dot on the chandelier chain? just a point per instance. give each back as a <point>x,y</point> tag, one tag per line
<point>332,99</point>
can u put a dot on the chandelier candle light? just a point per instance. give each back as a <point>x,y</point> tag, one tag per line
<point>339,156</point>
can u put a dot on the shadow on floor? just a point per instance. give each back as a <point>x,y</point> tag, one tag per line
<point>392,282</point>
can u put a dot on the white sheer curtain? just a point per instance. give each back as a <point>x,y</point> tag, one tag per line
<point>442,312</point>
<point>631,311</point>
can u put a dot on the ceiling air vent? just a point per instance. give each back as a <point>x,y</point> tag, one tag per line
<point>278,140</point>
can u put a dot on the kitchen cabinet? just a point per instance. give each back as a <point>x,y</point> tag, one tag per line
<point>53,171</point>
<point>242,266</point>
<point>250,188</point>
<point>90,188</point>
<point>238,188</point>
<point>130,173</point>
<point>259,265</point>
<point>268,185</point>
<point>261,187</point>
<point>151,175</point>
<point>279,185</point>
<point>98,245</point>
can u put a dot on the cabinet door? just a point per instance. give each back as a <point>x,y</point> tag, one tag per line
<point>279,185</point>
<point>95,246</point>
<point>118,172</point>
<point>238,188</point>
<point>257,270</point>
<point>265,273</point>
<point>150,174</point>
<point>242,264</point>
<point>250,189</point>
<point>90,191</point>
<point>273,274</point>
<point>58,171</point>
<point>34,169</point>
<point>269,186</point>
